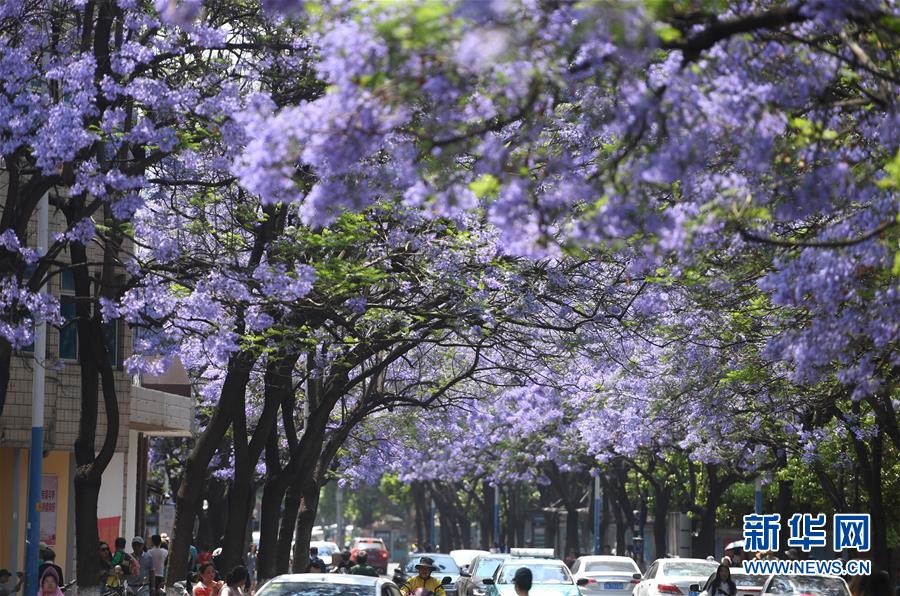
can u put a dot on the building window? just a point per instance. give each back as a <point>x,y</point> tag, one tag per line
<point>68,333</point>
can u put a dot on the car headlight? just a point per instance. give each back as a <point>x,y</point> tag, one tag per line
<point>479,592</point>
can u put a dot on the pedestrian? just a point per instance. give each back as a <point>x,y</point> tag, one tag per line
<point>6,586</point>
<point>495,548</point>
<point>315,561</point>
<point>110,574</point>
<point>205,555</point>
<point>145,573</point>
<point>876,584</point>
<point>207,586</point>
<point>49,557</point>
<point>423,579</point>
<point>159,556</point>
<point>120,558</point>
<point>251,568</point>
<point>344,565</point>
<point>235,582</point>
<point>362,566</point>
<point>522,581</point>
<point>721,584</point>
<point>50,582</point>
<point>316,567</point>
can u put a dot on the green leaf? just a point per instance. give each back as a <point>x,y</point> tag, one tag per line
<point>668,33</point>
<point>892,168</point>
<point>486,186</point>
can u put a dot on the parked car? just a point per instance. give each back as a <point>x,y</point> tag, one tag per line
<point>608,575</point>
<point>471,582</point>
<point>328,584</point>
<point>326,551</point>
<point>464,557</point>
<point>795,585</point>
<point>747,585</point>
<point>550,576</point>
<point>446,567</point>
<point>376,551</point>
<point>666,577</point>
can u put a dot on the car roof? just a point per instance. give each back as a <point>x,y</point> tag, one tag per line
<point>595,558</point>
<point>534,561</point>
<point>683,560</point>
<point>330,578</point>
<point>467,551</point>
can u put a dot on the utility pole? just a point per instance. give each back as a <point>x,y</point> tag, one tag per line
<point>497,514</point>
<point>597,512</point>
<point>339,515</point>
<point>36,457</point>
<point>757,500</point>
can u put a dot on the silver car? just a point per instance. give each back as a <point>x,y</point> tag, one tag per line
<point>328,584</point>
<point>607,575</point>
<point>821,585</point>
<point>674,576</point>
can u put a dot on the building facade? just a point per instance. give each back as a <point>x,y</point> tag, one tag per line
<point>147,407</point>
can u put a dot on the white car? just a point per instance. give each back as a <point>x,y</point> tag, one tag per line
<point>747,585</point>
<point>794,585</point>
<point>671,577</point>
<point>464,557</point>
<point>328,584</point>
<point>607,575</point>
<point>326,551</point>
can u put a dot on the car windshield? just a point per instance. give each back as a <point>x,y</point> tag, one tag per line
<point>371,546</point>
<point>314,589</point>
<point>444,564</point>
<point>821,586</point>
<point>541,573</point>
<point>605,566</point>
<point>326,549</point>
<point>487,567</point>
<point>689,569</point>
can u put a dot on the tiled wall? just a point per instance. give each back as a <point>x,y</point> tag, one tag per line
<point>62,384</point>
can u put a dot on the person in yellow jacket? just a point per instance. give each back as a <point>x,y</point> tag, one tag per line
<point>424,580</point>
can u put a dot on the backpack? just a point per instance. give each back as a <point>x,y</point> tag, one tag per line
<point>130,565</point>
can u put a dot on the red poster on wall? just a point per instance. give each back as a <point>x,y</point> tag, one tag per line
<point>49,499</point>
<point>108,528</point>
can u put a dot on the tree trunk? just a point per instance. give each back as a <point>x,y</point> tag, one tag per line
<point>662,496</point>
<point>241,498</point>
<point>306,519</point>
<point>5,362</point>
<point>278,385</point>
<point>94,361</point>
<point>572,524</point>
<point>487,516</point>
<point>286,529</point>
<point>87,493</point>
<point>273,495</point>
<point>705,543</point>
<point>190,493</point>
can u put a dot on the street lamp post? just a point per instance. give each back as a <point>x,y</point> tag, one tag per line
<point>36,457</point>
<point>757,501</point>
<point>597,498</point>
<point>497,514</point>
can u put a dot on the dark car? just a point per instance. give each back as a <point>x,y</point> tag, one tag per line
<point>446,567</point>
<point>471,583</point>
<point>376,552</point>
